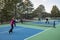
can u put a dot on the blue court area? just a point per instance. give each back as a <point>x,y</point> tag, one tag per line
<point>19,33</point>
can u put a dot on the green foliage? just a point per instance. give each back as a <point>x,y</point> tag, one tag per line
<point>55,11</point>
<point>24,8</point>
<point>40,9</point>
<point>10,9</point>
<point>38,12</point>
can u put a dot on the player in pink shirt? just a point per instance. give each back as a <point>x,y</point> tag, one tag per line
<point>12,22</point>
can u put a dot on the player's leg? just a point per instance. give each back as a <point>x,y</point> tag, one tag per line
<point>54,24</point>
<point>11,30</point>
<point>46,21</point>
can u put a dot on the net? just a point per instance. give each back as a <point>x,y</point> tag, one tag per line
<point>50,23</point>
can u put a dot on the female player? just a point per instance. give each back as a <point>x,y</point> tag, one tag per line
<point>12,23</point>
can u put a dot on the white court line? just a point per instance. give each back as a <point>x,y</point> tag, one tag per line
<point>13,29</point>
<point>37,34</point>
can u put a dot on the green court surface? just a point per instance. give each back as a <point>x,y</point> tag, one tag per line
<point>49,33</point>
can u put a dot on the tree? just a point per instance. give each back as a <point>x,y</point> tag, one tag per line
<point>6,11</point>
<point>39,10</point>
<point>12,9</point>
<point>29,8</point>
<point>26,8</point>
<point>9,9</point>
<point>55,11</point>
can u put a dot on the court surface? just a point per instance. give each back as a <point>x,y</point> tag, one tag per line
<point>19,33</point>
<point>31,31</point>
